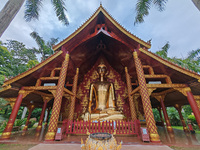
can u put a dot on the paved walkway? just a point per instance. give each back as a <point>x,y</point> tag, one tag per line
<point>78,147</point>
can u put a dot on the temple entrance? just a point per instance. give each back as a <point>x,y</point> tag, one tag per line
<point>115,101</point>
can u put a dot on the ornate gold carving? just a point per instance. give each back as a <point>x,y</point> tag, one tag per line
<point>5,135</point>
<point>163,92</point>
<point>50,136</point>
<point>183,90</point>
<point>120,103</point>
<point>151,72</point>
<point>40,88</point>
<point>166,85</point>
<point>154,137</point>
<point>150,90</point>
<point>46,98</point>
<point>25,92</point>
<point>135,90</point>
<point>84,104</point>
<point>159,97</point>
<point>67,57</point>
<point>5,88</point>
<point>11,101</point>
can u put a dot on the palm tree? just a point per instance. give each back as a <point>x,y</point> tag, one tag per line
<point>45,48</point>
<point>143,7</point>
<point>197,3</point>
<point>32,9</point>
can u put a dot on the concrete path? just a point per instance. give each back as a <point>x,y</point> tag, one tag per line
<point>78,147</point>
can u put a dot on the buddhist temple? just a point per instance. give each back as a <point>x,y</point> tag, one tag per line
<point>102,78</point>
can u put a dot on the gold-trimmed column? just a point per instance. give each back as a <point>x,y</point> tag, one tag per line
<point>7,131</point>
<point>30,109</point>
<point>193,104</point>
<point>150,121</point>
<point>39,127</point>
<point>46,122</point>
<point>161,118</point>
<point>57,101</point>
<point>178,108</point>
<point>131,103</point>
<point>73,99</point>
<point>169,127</point>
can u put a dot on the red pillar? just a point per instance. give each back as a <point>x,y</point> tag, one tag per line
<point>39,127</point>
<point>193,105</point>
<point>178,108</point>
<point>57,101</point>
<point>31,108</point>
<point>46,122</point>
<point>161,118</point>
<point>7,131</point>
<point>169,128</point>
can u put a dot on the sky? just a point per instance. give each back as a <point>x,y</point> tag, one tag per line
<point>179,24</point>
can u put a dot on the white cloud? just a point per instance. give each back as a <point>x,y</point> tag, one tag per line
<point>178,24</point>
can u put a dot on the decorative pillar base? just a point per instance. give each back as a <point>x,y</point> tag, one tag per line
<point>38,130</point>
<point>170,129</point>
<point>155,138</point>
<point>185,129</point>
<point>5,135</point>
<point>24,130</point>
<point>50,136</point>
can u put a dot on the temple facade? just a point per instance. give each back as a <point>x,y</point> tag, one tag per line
<point>104,75</point>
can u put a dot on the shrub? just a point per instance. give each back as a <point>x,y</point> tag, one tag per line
<point>31,123</point>
<point>3,126</point>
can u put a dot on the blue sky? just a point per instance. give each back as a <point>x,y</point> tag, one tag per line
<point>179,23</point>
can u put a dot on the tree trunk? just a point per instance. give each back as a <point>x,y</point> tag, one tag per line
<point>8,13</point>
<point>197,3</point>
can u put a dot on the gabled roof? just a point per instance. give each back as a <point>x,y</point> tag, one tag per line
<point>112,20</point>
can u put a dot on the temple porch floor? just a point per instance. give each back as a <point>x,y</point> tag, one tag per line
<point>191,141</point>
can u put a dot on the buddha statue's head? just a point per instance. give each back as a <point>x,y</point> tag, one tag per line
<point>102,70</point>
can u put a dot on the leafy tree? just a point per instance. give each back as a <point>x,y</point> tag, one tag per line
<point>164,50</point>
<point>45,48</point>
<point>156,114</point>
<point>32,9</point>
<point>5,63</point>
<point>173,116</point>
<point>20,56</point>
<point>191,62</point>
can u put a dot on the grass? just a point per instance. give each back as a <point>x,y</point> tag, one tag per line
<point>181,128</point>
<point>184,148</point>
<point>16,146</point>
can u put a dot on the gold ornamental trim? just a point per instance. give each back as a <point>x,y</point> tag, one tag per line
<point>5,88</point>
<point>32,69</point>
<point>154,137</point>
<point>50,136</point>
<point>171,65</point>
<point>6,135</point>
<point>101,9</point>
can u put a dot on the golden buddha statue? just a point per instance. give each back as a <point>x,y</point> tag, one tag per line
<point>103,93</point>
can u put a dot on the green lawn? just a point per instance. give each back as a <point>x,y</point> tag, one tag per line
<point>16,146</point>
<point>181,128</point>
<point>184,148</point>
